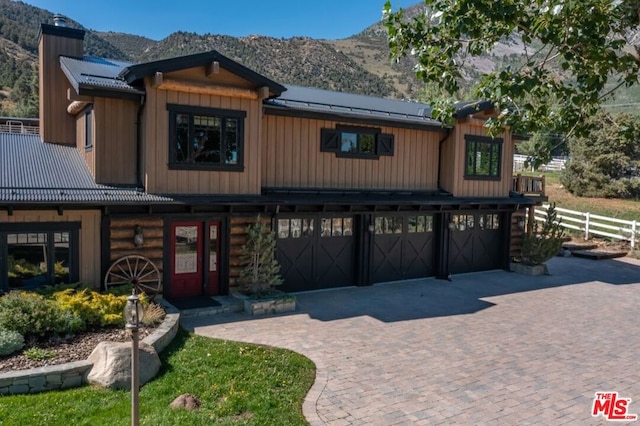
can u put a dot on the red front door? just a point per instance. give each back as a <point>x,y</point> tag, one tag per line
<point>186,259</point>
<point>194,259</point>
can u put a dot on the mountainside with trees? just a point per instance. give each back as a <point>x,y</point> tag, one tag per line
<point>358,64</point>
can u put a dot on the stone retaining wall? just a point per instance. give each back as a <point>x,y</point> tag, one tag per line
<point>74,374</point>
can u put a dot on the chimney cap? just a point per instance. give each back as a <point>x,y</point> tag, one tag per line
<point>59,20</point>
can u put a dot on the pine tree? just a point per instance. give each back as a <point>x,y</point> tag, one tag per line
<point>545,241</point>
<point>262,271</point>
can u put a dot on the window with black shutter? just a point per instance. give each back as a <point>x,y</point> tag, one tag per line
<point>356,142</point>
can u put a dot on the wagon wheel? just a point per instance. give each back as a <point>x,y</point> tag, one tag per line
<point>136,270</point>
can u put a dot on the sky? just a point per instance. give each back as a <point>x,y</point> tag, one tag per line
<point>320,19</point>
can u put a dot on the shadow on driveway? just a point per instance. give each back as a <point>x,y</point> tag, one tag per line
<point>464,294</point>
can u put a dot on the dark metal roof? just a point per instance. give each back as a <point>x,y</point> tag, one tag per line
<point>35,172</point>
<point>468,108</point>
<point>137,72</point>
<point>96,73</point>
<point>349,105</point>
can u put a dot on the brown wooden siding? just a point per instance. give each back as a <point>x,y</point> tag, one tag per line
<point>223,77</point>
<point>481,188</point>
<point>448,167</point>
<point>121,238</point>
<point>89,244</point>
<point>291,158</point>
<point>87,154</point>
<point>157,176</point>
<point>115,140</point>
<point>56,125</point>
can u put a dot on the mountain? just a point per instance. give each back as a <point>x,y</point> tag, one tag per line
<point>357,64</point>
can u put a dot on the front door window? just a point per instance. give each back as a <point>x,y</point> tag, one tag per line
<point>186,255</point>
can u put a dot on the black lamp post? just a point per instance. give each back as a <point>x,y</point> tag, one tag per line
<point>132,316</point>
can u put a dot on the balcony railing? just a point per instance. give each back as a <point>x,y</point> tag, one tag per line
<point>18,127</point>
<point>529,185</point>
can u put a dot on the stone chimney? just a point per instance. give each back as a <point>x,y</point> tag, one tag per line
<point>56,125</point>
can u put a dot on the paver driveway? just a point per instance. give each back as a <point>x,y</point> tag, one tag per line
<point>486,348</point>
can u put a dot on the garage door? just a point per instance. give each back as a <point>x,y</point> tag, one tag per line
<point>402,247</point>
<point>476,242</point>
<point>315,252</point>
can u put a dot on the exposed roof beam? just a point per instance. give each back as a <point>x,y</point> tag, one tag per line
<point>207,89</point>
<point>73,96</point>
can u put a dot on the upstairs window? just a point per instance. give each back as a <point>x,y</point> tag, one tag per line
<point>483,157</point>
<point>356,142</point>
<point>206,138</point>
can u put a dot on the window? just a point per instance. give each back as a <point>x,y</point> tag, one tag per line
<point>295,228</point>
<point>489,222</point>
<point>356,142</point>
<point>336,227</point>
<point>463,222</point>
<point>388,225</point>
<point>420,224</point>
<point>483,155</point>
<point>88,129</point>
<point>206,138</point>
<point>38,254</point>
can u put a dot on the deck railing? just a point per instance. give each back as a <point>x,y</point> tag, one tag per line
<point>19,127</point>
<point>529,185</point>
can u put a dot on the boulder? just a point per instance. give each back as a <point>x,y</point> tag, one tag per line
<point>112,364</point>
<point>187,401</point>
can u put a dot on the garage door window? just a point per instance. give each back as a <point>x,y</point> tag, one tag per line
<point>489,221</point>
<point>337,227</point>
<point>463,222</point>
<point>388,225</point>
<point>420,224</point>
<point>295,228</point>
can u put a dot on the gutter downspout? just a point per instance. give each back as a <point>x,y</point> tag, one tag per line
<point>139,143</point>
<point>440,157</point>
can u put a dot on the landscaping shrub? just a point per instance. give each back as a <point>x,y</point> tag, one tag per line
<point>30,314</point>
<point>10,342</point>
<point>93,308</point>
<point>153,314</point>
<point>544,241</point>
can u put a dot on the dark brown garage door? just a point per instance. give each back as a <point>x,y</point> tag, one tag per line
<point>315,252</point>
<point>402,247</point>
<point>476,242</point>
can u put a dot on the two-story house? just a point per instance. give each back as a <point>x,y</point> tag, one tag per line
<point>152,172</point>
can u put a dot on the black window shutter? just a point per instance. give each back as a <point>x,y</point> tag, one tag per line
<point>329,140</point>
<point>385,144</point>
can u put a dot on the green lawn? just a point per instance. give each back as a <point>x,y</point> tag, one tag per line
<point>237,383</point>
<point>611,207</point>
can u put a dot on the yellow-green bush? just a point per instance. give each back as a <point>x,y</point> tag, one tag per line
<point>95,309</point>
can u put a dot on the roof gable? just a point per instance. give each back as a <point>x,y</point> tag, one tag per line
<point>134,73</point>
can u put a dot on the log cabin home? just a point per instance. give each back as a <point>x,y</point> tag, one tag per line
<point>153,171</point>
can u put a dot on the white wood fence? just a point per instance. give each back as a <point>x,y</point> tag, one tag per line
<point>556,164</point>
<point>591,224</point>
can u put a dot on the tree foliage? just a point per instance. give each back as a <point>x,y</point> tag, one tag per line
<point>543,241</point>
<point>577,53</point>
<point>261,271</point>
<point>606,163</point>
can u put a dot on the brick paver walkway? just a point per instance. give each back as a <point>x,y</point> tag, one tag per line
<point>486,348</point>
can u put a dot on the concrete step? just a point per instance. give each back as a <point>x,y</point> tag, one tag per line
<point>598,254</point>
<point>579,245</point>
<point>227,304</point>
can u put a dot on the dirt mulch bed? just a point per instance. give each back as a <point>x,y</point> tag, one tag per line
<point>67,349</point>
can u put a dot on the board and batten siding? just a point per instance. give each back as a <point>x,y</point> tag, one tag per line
<point>158,178</point>
<point>454,161</point>
<point>81,131</point>
<point>291,158</point>
<point>89,235</point>
<point>56,125</point>
<point>114,140</point>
